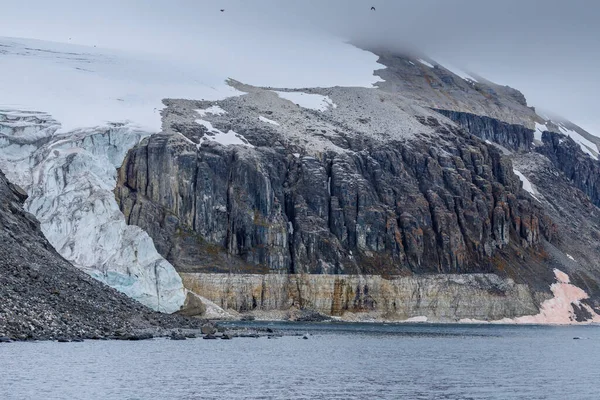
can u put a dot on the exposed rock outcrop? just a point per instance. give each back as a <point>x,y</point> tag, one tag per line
<point>445,203</point>
<point>567,156</point>
<point>512,136</point>
<point>441,298</point>
<point>565,180</point>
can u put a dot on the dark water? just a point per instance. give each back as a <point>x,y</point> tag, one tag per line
<point>354,361</point>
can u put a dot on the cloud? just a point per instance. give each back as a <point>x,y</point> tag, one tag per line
<point>546,49</point>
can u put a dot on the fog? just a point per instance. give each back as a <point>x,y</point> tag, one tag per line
<point>547,49</point>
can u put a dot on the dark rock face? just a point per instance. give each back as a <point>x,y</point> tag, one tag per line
<point>42,296</point>
<point>568,180</point>
<point>578,167</point>
<point>561,150</point>
<point>448,204</point>
<point>512,136</point>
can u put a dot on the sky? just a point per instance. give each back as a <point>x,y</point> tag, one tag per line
<point>547,49</point>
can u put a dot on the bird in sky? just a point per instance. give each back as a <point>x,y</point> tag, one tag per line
<point>372,8</point>
<point>222,10</point>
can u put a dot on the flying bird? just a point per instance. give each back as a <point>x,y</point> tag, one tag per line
<point>222,10</point>
<point>372,8</point>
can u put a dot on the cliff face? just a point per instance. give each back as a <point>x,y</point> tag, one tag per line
<point>443,204</point>
<point>368,202</point>
<point>564,179</point>
<point>440,298</point>
<point>512,136</point>
<point>567,156</point>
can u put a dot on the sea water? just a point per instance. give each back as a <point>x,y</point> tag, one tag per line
<point>337,361</point>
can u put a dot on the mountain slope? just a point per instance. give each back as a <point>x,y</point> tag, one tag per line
<point>68,116</point>
<point>349,200</point>
<point>378,182</point>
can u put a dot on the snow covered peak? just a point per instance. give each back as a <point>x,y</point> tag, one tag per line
<point>83,86</point>
<point>87,87</point>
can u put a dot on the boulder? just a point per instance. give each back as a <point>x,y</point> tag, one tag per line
<point>208,329</point>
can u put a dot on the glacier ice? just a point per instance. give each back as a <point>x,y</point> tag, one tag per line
<point>70,180</point>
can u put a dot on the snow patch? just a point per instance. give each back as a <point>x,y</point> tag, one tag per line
<point>268,121</point>
<point>425,63</point>
<point>421,318</point>
<point>527,186</point>
<point>308,100</point>
<point>556,311</point>
<point>224,138</point>
<point>458,71</point>
<point>214,110</point>
<point>539,129</point>
<point>587,146</point>
<point>559,309</point>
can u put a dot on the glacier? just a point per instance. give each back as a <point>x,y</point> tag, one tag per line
<point>70,180</point>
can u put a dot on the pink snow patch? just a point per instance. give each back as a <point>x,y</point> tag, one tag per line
<point>555,311</point>
<point>559,309</point>
<point>561,277</point>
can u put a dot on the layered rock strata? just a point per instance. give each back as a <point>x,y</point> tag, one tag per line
<point>438,298</point>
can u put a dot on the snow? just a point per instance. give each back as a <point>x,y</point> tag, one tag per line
<point>539,129</point>
<point>214,110</point>
<point>555,311</point>
<point>87,87</point>
<point>268,121</point>
<point>69,114</point>
<point>527,186</point>
<point>420,318</point>
<point>425,63</point>
<point>224,138</point>
<point>587,146</point>
<point>82,86</point>
<point>308,100</point>
<point>458,71</point>
<point>559,310</point>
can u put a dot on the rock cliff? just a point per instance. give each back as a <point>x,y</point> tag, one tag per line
<point>441,298</point>
<point>439,202</point>
<point>435,184</point>
<point>396,187</point>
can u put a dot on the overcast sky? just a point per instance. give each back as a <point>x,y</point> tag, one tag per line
<point>549,49</point>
